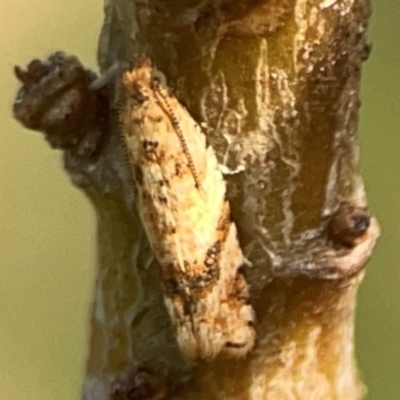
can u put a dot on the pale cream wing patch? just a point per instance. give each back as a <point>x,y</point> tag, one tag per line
<point>180,195</point>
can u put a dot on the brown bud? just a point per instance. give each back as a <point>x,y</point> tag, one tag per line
<point>56,99</point>
<point>347,227</point>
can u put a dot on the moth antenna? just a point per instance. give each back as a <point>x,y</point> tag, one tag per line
<point>115,70</point>
<point>120,98</point>
<point>179,132</point>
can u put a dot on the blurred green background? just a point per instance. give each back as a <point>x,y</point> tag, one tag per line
<point>47,227</point>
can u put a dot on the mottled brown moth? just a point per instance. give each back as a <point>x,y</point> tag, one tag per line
<point>180,197</point>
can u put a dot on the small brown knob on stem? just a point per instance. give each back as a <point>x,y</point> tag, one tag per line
<point>347,227</point>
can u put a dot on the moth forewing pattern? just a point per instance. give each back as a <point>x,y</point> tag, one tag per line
<point>180,196</point>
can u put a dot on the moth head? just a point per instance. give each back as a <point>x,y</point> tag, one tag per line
<point>138,81</point>
<point>141,73</point>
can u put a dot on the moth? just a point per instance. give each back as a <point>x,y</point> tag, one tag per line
<point>180,196</point>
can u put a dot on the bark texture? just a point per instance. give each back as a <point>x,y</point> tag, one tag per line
<point>275,85</point>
